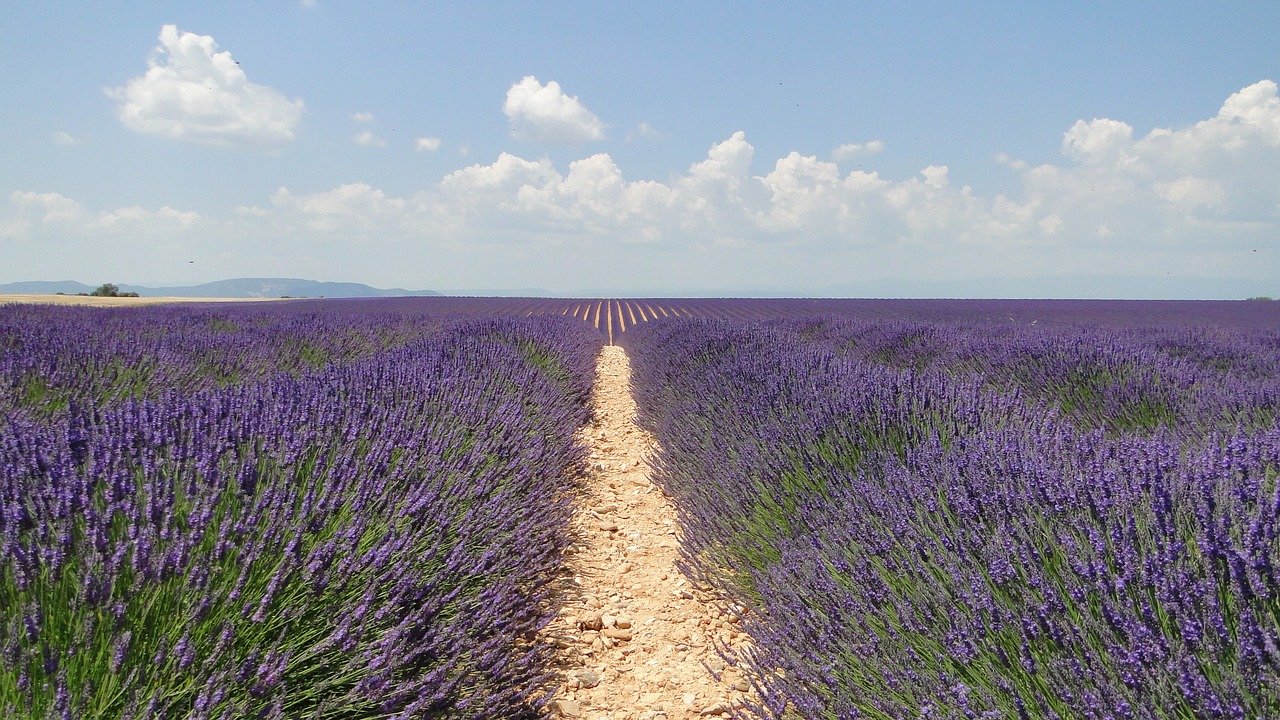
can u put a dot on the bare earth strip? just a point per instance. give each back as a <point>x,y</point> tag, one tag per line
<point>640,642</point>
<point>117,301</point>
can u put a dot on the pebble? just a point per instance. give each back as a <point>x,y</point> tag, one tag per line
<point>584,678</point>
<point>568,708</point>
<point>616,633</point>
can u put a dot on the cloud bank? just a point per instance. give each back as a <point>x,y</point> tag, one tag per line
<point>1200,200</point>
<point>193,92</point>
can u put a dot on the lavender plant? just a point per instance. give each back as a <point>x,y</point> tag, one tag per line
<point>375,538</point>
<point>919,538</point>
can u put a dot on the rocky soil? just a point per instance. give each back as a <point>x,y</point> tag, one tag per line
<point>640,641</point>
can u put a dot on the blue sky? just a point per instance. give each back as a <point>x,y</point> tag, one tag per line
<point>979,149</point>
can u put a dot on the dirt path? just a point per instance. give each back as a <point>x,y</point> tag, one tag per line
<point>641,642</point>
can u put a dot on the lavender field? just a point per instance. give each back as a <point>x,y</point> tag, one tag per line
<point>339,513</point>
<point>1062,516</point>
<point>358,509</point>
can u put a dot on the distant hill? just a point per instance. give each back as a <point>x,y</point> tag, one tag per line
<point>42,287</point>
<point>237,288</point>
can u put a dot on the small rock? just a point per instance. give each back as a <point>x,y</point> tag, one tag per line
<point>616,633</point>
<point>623,622</point>
<point>714,709</point>
<point>568,708</point>
<point>584,678</point>
<point>591,621</point>
<point>607,526</point>
<point>741,686</point>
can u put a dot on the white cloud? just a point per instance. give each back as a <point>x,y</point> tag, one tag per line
<point>1210,182</point>
<point>32,210</point>
<point>356,209</point>
<point>644,131</point>
<point>1255,107</point>
<point>848,151</point>
<point>40,214</point>
<point>426,144</point>
<point>1191,192</point>
<point>935,176</point>
<point>1011,162</point>
<point>1098,142</point>
<point>64,138</point>
<point>193,92</point>
<point>544,113</point>
<point>368,139</point>
<point>362,117</point>
<point>1050,224</point>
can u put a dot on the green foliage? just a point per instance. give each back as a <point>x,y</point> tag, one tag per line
<point>110,290</point>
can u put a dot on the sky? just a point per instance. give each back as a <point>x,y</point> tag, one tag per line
<point>980,149</point>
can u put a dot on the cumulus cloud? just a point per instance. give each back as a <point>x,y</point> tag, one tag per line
<point>191,91</point>
<point>357,209</point>
<point>644,131</point>
<point>1203,181</point>
<point>426,144</point>
<point>544,113</point>
<point>39,214</point>
<point>1098,141</point>
<point>369,139</point>
<point>935,176</point>
<point>362,117</point>
<point>848,151</point>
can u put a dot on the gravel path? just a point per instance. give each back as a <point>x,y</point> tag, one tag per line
<point>640,642</point>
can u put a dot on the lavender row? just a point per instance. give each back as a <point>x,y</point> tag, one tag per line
<point>377,538</point>
<point>918,542</point>
<point>53,356</point>
<point>1187,377</point>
